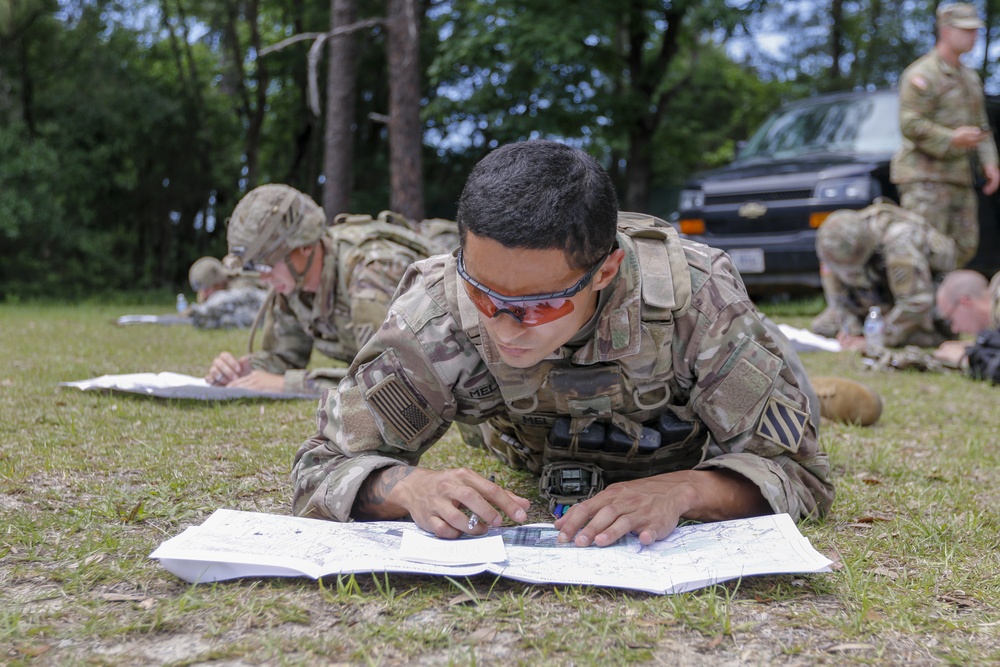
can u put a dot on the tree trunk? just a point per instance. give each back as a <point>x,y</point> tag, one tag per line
<point>338,137</point>
<point>836,40</point>
<point>405,129</point>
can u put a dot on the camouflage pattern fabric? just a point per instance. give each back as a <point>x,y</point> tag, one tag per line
<point>677,334</point>
<point>952,209</point>
<point>935,178</point>
<point>910,357</point>
<point>363,261</point>
<point>228,309</point>
<point>995,301</point>
<point>898,276</point>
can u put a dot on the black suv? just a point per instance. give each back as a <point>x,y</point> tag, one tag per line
<point>808,159</point>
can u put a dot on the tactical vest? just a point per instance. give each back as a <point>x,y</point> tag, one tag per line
<point>632,384</point>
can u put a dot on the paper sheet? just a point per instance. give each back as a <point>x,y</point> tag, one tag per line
<point>804,340</point>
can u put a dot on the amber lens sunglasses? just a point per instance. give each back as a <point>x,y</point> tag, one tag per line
<point>530,310</point>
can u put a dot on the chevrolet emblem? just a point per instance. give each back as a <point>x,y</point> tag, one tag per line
<point>752,210</point>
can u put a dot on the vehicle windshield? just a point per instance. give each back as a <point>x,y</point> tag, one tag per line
<point>857,125</point>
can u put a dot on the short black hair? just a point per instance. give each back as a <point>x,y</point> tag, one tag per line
<point>541,195</point>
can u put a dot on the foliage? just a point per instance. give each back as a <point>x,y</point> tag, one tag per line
<point>130,128</point>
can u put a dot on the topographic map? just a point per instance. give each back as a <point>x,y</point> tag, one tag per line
<point>232,544</point>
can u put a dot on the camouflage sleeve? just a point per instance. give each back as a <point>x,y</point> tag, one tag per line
<point>917,100</point>
<point>758,409</point>
<point>987,150</point>
<point>995,301</point>
<point>400,396</point>
<point>911,284</point>
<point>286,344</point>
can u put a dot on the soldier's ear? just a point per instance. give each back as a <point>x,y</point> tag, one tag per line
<point>609,269</point>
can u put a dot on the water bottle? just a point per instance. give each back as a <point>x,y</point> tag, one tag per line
<point>182,303</point>
<point>874,331</point>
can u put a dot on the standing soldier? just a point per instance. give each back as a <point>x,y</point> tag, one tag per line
<point>331,286</point>
<point>942,115</point>
<point>625,366</point>
<point>882,256</point>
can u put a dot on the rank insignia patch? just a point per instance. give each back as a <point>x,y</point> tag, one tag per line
<point>391,400</point>
<point>782,424</point>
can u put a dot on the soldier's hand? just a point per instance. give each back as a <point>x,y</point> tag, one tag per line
<point>951,351</point>
<point>226,368</point>
<point>260,381</point>
<point>967,136</point>
<point>652,507</point>
<point>849,342</point>
<point>438,501</point>
<point>992,173</point>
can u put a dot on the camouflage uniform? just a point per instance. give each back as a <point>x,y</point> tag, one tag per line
<point>888,257</point>
<point>235,307</point>
<point>995,301</point>
<point>675,334</point>
<point>363,261</point>
<point>934,178</point>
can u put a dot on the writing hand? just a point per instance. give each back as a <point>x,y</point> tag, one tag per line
<point>260,381</point>
<point>437,500</point>
<point>226,368</point>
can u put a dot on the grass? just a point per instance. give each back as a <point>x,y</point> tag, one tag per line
<point>91,483</point>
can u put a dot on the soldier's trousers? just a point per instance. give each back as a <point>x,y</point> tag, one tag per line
<point>949,208</point>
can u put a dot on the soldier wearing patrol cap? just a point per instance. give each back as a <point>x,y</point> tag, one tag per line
<point>625,366</point>
<point>330,286</point>
<point>882,256</point>
<point>942,115</point>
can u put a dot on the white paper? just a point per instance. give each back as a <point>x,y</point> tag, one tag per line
<point>233,544</point>
<point>804,340</point>
<point>427,549</point>
<point>175,385</point>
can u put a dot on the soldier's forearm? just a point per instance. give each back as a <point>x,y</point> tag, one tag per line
<point>373,499</point>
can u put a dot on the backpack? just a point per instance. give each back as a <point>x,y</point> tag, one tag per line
<point>984,356</point>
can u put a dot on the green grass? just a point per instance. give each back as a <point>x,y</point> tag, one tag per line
<point>90,484</point>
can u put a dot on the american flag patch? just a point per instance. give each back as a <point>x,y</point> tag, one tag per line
<point>782,424</point>
<point>391,400</point>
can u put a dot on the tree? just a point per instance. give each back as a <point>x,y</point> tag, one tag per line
<point>405,128</point>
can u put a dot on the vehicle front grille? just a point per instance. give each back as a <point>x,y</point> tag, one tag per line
<point>717,200</point>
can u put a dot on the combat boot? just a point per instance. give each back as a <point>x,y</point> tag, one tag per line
<point>847,401</point>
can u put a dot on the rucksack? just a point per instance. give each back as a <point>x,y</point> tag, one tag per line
<point>984,356</point>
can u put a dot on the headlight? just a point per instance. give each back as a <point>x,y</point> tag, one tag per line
<point>691,199</point>
<point>858,188</point>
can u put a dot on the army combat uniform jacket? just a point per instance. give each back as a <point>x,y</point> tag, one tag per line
<point>677,334</point>
<point>934,99</point>
<point>363,261</point>
<point>995,301</point>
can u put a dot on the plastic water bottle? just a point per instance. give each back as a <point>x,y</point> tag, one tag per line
<point>874,331</point>
<point>182,303</point>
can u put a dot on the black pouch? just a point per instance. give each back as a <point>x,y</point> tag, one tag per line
<point>984,356</point>
<point>620,442</point>
<point>591,438</point>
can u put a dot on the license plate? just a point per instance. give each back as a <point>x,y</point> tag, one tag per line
<point>748,260</point>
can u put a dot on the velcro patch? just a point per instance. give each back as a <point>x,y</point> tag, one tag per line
<point>782,424</point>
<point>396,405</point>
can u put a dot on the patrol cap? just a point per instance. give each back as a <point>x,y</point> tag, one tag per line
<point>845,241</point>
<point>270,222</point>
<point>959,15</point>
<point>207,272</point>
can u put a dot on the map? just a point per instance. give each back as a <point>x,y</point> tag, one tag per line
<point>231,544</point>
